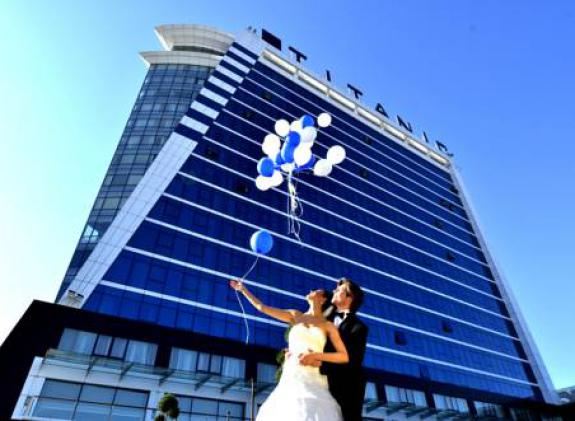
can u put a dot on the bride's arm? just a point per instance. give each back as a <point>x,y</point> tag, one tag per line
<point>287,316</point>
<point>338,357</point>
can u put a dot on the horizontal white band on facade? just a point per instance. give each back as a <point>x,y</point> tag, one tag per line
<point>241,54</point>
<point>284,325</point>
<point>227,72</point>
<point>194,124</point>
<point>312,272</point>
<point>304,111</point>
<point>376,318</point>
<point>468,244</point>
<point>364,210</point>
<point>450,365</point>
<point>379,294</point>
<point>179,300</point>
<point>463,285</point>
<point>190,58</point>
<point>400,143</point>
<point>213,96</point>
<point>205,110</point>
<point>236,64</point>
<point>221,84</point>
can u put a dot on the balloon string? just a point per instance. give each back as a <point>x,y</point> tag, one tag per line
<point>294,209</point>
<point>240,300</point>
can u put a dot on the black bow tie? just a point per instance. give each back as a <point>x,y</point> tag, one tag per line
<point>341,314</point>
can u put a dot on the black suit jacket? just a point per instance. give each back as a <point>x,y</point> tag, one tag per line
<point>346,381</point>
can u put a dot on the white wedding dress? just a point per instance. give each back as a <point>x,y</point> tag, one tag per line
<point>302,393</point>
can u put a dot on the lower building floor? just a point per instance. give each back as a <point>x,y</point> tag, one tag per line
<point>61,363</point>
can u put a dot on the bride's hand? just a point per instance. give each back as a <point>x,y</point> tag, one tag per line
<point>309,359</point>
<point>237,285</point>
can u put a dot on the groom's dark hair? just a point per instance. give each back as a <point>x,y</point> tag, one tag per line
<point>355,291</point>
<point>327,304</point>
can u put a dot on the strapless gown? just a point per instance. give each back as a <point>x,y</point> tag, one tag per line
<point>302,393</point>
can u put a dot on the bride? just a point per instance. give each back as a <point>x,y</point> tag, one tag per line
<point>302,393</point>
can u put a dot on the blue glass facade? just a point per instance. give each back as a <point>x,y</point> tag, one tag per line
<point>389,218</point>
<point>166,94</point>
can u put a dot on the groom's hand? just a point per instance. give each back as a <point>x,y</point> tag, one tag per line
<point>309,359</point>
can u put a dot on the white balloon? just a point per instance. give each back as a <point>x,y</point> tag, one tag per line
<point>302,154</point>
<point>271,145</point>
<point>336,154</point>
<point>323,120</point>
<point>276,178</point>
<point>263,183</point>
<point>308,134</point>
<point>287,167</point>
<point>296,126</point>
<point>282,127</point>
<point>322,168</point>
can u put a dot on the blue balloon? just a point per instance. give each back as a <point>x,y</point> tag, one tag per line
<point>266,167</point>
<point>309,164</point>
<point>261,242</point>
<point>279,160</point>
<point>306,121</point>
<point>287,153</point>
<point>293,139</point>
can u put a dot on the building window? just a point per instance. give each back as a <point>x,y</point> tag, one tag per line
<point>446,326</point>
<point>241,187</point>
<point>211,154</point>
<point>400,395</point>
<point>437,223</point>
<point>450,403</point>
<point>399,338</point>
<point>209,409</point>
<point>486,409</point>
<point>248,114</point>
<point>65,400</point>
<point>89,343</point>
<point>266,373</point>
<point>188,360</point>
<point>370,392</point>
<point>267,95</point>
<point>141,352</point>
<point>77,341</point>
<point>446,204</point>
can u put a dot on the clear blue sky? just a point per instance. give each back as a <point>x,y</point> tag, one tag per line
<point>494,80</point>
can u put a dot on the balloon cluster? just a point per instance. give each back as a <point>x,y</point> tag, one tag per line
<point>289,152</point>
<point>295,154</point>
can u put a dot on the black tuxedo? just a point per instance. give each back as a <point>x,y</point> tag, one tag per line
<point>347,381</point>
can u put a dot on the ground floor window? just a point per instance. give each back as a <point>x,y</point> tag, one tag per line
<point>76,401</point>
<point>192,409</point>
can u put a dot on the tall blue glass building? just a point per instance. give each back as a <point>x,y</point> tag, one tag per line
<point>173,218</point>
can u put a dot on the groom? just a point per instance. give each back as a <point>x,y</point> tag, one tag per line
<point>346,381</point>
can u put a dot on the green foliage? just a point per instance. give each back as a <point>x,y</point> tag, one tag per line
<point>174,412</point>
<point>169,406</point>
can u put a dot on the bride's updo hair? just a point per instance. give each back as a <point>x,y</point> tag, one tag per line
<point>327,303</point>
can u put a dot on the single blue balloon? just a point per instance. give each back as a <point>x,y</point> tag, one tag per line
<point>261,242</point>
<point>307,121</point>
<point>293,139</point>
<point>278,159</point>
<point>287,153</point>
<point>266,167</point>
<point>309,164</point>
